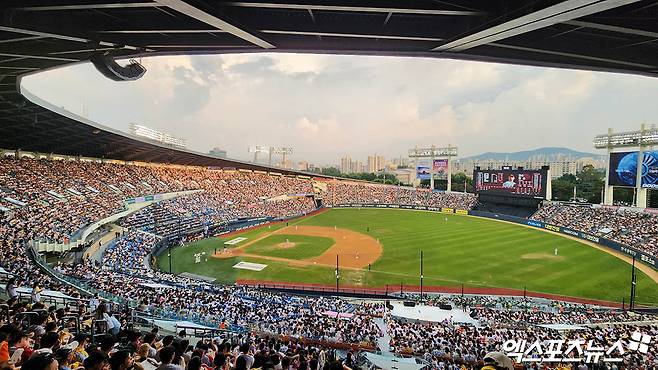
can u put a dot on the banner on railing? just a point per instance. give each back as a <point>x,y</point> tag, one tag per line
<point>147,198</point>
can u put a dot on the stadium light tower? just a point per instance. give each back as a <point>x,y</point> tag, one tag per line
<point>643,139</point>
<point>270,150</point>
<point>259,149</point>
<point>283,152</point>
<point>434,153</point>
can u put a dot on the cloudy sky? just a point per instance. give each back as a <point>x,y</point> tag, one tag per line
<point>329,106</point>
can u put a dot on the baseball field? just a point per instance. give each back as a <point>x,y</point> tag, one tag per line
<point>376,247</point>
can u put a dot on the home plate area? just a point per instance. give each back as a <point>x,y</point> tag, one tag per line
<point>249,266</point>
<point>235,241</point>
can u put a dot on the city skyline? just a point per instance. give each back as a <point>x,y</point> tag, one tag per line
<point>327,106</point>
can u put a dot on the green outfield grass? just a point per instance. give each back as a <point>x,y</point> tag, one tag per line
<point>457,250</point>
<point>305,246</point>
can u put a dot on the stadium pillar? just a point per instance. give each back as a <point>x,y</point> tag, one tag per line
<point>630,303</point>
<point>641,197</point>
<point>608,190</point>
<point>549,184</point>
<point>449,174</point>
<point>431,174</point>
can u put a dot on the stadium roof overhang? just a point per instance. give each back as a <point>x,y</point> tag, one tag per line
<point>605,35</point>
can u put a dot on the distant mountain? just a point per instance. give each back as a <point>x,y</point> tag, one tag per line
<point>548,154</point>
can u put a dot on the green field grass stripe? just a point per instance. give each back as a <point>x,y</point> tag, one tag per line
<point>297,247</point>
<point>462,250</point>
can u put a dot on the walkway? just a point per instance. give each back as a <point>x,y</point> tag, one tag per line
<point>383,342</point>
<point>95,252</point>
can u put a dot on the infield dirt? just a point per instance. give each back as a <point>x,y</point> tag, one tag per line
<point>355,250</point>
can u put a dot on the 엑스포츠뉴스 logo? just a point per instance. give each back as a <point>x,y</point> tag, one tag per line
<point>639,342</point>
<point>573,351</point>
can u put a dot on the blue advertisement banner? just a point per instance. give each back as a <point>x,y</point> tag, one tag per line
<point>623,167</point>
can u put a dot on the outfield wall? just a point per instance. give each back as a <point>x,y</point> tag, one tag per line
<point>629,251</point>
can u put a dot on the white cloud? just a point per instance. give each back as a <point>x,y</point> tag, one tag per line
<point>465,75</point>
<point>299,63</point>
<point>326,106</point>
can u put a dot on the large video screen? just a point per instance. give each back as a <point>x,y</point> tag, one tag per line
<point>623,167</point>
<point>520,182</point>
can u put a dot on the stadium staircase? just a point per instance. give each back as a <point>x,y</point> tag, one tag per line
<point>384,341</point>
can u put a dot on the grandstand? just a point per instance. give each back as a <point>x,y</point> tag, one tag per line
<point>87,229</point>
<point>123,275</point>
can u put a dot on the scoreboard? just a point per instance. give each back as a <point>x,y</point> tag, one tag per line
<point>509,181</point>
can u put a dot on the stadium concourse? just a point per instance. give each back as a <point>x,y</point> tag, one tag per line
<point>54,200</point>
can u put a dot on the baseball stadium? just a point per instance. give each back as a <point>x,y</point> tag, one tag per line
<point>129,250</point>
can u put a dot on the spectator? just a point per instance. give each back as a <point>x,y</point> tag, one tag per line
<point>167,355</point>
<point>41,361</point>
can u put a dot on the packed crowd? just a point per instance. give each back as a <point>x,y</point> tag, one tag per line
<point>226,197</point>
<point>442,344</point>
<point>635,229</point>
<point>532,311</point>
<point>125,273</point>
<point>446,344</point>
<point>50,340</point>
<point>53,200</point>
<point>46,197</point>
<point>365,193</point>
<point>129,253</point>
<point>208,209</point>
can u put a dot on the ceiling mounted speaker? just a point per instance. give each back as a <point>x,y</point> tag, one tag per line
<point>106,65</point>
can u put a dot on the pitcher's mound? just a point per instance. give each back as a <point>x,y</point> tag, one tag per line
<point>285,245</point>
